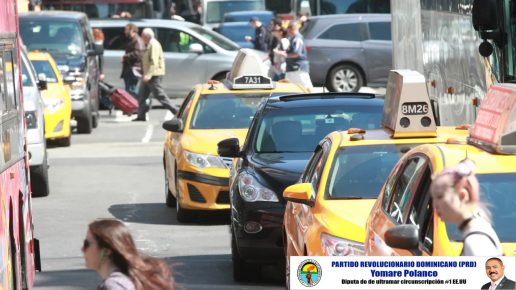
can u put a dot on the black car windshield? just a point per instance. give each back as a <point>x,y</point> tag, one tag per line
<point>497,191</point>
<point>44,67</point>
<point>300,129</point>
<point>360,171</point>
<point>57,37</point>
<point>216,38</point>
<point>225,111</point>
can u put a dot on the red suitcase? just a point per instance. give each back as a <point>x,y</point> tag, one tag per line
<point>124,101</point>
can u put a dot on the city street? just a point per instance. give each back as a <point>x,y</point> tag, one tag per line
<point>116,172</point>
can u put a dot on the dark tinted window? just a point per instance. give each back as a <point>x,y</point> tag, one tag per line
<point>354,6</point>
<point>496,190</point>
<point>349,32</point>
<point>300,129</point>
<point>173,40</point>
<point>360,171</point>
<point>114,38</point>
<point>380,30</point>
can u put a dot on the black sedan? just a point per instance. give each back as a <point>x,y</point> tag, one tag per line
<point>280,141</point>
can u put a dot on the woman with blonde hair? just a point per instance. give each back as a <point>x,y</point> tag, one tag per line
<point>456,199</point>
<point>110,250</point>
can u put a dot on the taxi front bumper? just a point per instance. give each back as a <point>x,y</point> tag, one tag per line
<point>202,191</point>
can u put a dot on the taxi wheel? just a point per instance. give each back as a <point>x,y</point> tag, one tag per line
<point>65,142</point>
<point>183,215</point>
<point>345,78</point>
<point>169,197</point>
<point>242,270</point>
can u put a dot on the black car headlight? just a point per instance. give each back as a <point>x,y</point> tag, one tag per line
<point>251,190</point>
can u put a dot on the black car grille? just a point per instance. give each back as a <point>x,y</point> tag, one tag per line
<point>223,197</point>
<point>195,195</point>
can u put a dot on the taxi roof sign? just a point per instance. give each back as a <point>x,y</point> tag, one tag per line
<point>407,110</point>
<point>495,125</point>
<point>249,72</point>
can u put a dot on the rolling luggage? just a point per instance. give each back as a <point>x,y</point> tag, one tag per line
<point>124,101</point>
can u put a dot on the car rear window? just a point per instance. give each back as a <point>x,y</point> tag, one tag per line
<point>44,67</point>
<point>497,191</point>
<point>300,129</point>
<point>360,171</point>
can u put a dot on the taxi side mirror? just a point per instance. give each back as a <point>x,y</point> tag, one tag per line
<point>229,147</point>
<point>42,82</point>
<point>403,237</point>
<point>300,193</point>
<point>174,125</point>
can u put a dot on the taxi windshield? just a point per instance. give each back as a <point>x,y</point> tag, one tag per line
<point>497,191</point>
<point>300,129</point>
<point>360,171</point>
<point>226,111</point>
<point>44,67</point>
<point>57,37</point>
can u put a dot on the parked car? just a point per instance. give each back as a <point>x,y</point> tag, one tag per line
<point>67,36</point>
<point>282,137</point>
<point>34,106</point>
<point>192,53</point>
<point>237,31</point>
<point>349,51</point>
<point>244,16</point>
<point>58,105</point>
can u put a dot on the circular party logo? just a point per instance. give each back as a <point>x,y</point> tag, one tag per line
<point>309,273</point>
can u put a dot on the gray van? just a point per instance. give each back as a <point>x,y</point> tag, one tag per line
<point>68,37</point>
<point>348,51</point>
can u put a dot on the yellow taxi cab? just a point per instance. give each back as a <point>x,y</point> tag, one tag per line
<point>58,105</point>
<point>403,220</point>
<point>196,177</point>
<point>326,212</point>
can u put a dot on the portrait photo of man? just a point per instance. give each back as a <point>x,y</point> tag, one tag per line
<point>495,272</point>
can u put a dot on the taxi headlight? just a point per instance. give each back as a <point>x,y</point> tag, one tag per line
<point>335,246</point>
<point>251,190</point>
<point>204,160</point>
<point>52,105</point>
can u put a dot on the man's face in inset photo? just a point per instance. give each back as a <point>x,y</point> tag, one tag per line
<point>494,269</point>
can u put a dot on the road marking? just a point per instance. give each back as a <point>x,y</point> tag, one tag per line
<point>148,134</point>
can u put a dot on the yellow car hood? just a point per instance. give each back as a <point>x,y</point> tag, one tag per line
<point>205,141</point>
<point>347,218</point>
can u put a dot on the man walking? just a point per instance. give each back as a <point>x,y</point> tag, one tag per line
<point>131,61</point>
<point>261,35</point>
<point>153,70</point>
<point>296,53</point>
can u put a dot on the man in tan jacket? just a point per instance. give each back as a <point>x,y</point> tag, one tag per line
<point>153,64</point>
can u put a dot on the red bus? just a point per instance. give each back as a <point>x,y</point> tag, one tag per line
<point>19,251</point>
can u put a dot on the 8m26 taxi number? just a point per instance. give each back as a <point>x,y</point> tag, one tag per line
<point>414,108</point>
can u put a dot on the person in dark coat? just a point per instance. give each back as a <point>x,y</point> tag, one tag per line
<point>261,40</point>
<point>132,59</point>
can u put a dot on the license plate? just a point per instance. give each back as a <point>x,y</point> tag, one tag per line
<point>414,108</point>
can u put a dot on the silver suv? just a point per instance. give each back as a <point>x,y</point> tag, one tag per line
<point>348,51</point>
<point>192,53</point>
